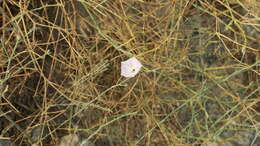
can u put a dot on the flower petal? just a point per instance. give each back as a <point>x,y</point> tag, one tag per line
<point>130,67</point>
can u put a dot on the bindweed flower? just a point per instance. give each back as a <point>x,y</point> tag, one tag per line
<point>130,67</point>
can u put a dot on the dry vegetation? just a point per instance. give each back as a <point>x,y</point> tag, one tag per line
<point>60,72</point>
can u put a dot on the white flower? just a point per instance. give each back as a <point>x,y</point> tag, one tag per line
<point>130,67</point>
